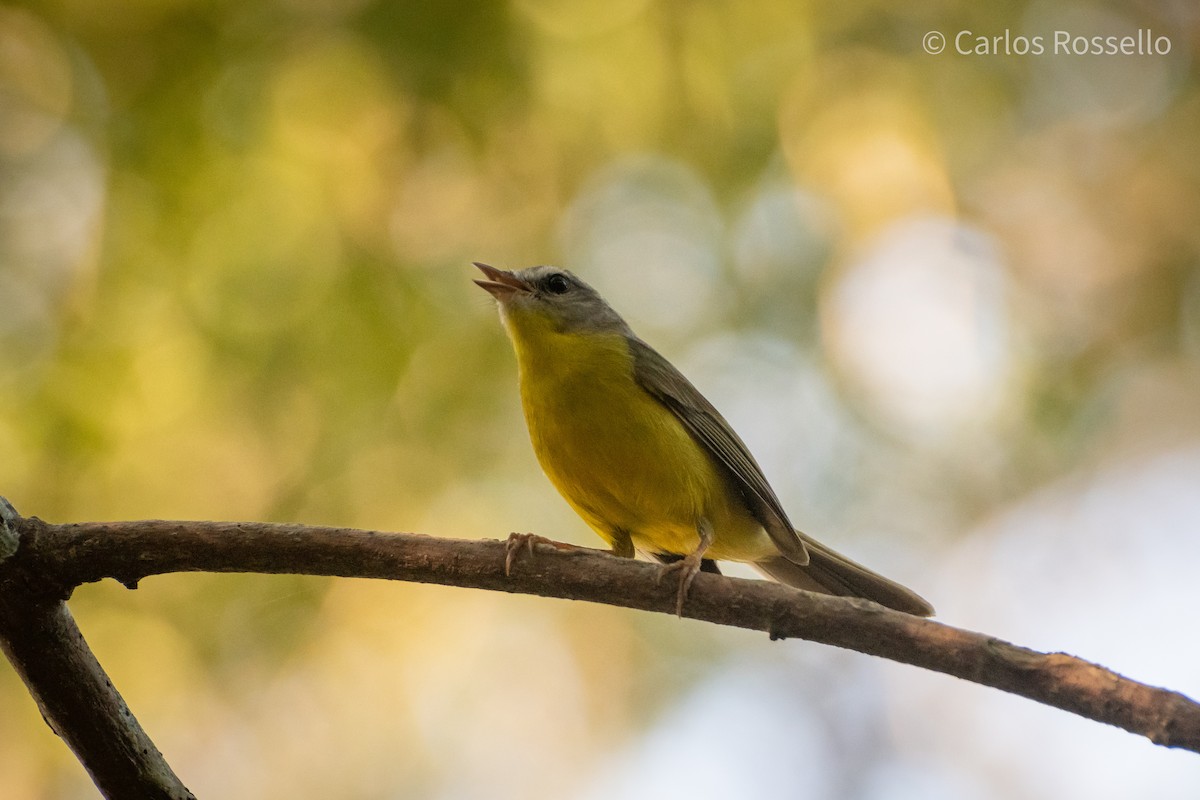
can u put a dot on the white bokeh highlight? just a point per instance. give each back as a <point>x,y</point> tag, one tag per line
<point>918,325</point>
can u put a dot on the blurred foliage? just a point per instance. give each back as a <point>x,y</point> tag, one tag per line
<point>234,264</point>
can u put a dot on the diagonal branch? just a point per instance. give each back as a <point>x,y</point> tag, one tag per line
<point>76,697</point>
<point>60,557</point>
<point>81,705</point>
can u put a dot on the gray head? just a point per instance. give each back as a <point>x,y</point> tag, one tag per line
<point>553,296</point>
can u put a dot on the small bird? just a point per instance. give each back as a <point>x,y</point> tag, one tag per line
<point>643,457</point>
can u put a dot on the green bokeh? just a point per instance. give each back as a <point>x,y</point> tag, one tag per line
<point>234,261</point>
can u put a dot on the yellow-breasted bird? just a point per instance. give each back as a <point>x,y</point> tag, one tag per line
<point>643,457</point>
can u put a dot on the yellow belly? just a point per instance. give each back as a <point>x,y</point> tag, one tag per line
<point>621,459</point>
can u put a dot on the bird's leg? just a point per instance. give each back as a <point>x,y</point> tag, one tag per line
<point>622,546</point>
<point>622,543</point>
<point>525,541</point>
<point>689,565</point>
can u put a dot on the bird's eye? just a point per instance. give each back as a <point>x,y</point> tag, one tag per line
<point>558,284</point>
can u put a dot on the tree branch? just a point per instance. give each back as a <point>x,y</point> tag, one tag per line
<point>76,697</point>
<point>57,558</point>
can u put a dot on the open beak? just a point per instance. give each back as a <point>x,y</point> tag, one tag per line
<point>501,283</point>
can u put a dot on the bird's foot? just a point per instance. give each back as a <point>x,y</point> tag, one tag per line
<point>687,567</point>
<point>525,541</point>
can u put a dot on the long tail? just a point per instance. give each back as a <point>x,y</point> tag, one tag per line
<point>832,573</point>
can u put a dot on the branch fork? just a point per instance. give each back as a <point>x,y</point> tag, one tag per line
<point>42,563</point>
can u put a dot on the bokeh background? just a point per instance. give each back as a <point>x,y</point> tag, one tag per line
<point>951,301</point>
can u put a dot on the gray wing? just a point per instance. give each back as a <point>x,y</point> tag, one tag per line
<point>706,425</point>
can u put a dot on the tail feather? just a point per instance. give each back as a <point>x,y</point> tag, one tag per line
<point>829,572</point>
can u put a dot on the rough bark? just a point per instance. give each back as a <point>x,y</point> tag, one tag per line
<point>81,705</point>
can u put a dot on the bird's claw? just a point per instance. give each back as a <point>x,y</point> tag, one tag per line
<point>688,568</point>
<point>525,541</point>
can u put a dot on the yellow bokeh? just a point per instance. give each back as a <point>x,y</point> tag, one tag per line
<point>952,301</point>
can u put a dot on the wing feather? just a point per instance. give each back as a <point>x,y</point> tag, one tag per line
<point>710,430</point>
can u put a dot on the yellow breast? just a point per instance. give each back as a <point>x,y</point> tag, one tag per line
<point>620,458</point>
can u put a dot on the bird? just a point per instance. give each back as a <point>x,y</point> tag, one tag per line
<point>643,457</point>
